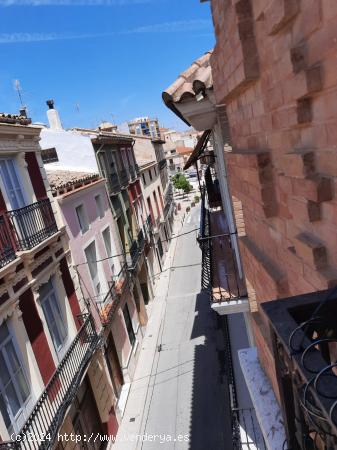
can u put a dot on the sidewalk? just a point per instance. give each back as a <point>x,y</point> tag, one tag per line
<point>132,420</point>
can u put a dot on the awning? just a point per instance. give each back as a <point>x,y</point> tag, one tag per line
<point>199,149</point>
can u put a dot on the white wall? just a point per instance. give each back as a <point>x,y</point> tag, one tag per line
<point>74,150</point>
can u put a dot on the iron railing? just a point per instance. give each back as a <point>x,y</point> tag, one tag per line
<point>124,177</point>
<point>303,339</point>
<point>7,244</point>
<point>114,182</point>
<point>162,164</point>
<point>108,306</point>
<point>132,257</point>
<point>32,224</point>
<point>229,287</point>
<point>50,409</point>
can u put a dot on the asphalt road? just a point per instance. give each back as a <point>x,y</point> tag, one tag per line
<point>187,402</point>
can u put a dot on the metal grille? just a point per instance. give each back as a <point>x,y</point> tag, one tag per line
<point>32,224</point>
<point>7,245</point>
<point>114,182</point>
<point>49,411</point>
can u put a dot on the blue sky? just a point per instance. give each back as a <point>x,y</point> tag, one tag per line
<point>112,58</point>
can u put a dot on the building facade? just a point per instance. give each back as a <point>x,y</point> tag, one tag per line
<point>103,284</point>
<point>144,126</point>
<point>272,89</point>
<point>46,343</point>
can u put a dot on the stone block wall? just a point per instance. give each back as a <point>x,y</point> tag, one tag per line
<point>275,68</point>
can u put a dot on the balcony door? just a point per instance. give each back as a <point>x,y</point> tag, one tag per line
<point>15,397</point>
<point>11,181</point>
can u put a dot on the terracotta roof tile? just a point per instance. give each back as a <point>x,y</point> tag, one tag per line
<point>60,179</point>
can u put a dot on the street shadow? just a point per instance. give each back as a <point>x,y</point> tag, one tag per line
<point>210,424</point>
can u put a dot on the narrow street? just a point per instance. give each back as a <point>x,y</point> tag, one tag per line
<point>187,389</point>
<point>186,393</point>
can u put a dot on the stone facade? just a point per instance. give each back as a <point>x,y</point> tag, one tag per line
<point>274,67</point>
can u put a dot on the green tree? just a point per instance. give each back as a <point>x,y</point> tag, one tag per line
<point>181,183</point>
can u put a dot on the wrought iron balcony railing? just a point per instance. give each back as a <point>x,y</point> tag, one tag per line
<point>7,243</point>
<point>133,256</point>
<point>124,177</point>
<point>50,409</point>
<point>304,344</point>
<point>162,164</point>
<point>219,276</point>
<point>108,306</point>
<point>32,224</point>
<point>115,185</point>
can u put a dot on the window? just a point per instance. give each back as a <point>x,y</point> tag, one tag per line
<point>14,390</point>
<point>99,206</point>
<point>150,173</point>
<point>143,176</point>
<point>128,324</point>
<point>107,242</point>
<point>82,219</point>
<point>52,312</point>
<point>90,254</point>
<point>12,184</point>
<point>173,152</point>
<point>155,171</point>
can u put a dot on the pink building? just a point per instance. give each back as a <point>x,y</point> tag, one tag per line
<point>102,279</point>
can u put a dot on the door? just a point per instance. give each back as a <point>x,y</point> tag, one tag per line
<point>113,365</point>
<point>85,418</point>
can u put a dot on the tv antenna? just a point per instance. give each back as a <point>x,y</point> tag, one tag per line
<point>17,87</point>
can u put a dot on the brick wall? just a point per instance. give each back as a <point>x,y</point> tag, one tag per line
<point>275,68</point>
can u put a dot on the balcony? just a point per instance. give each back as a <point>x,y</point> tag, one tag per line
<point>213,189</point>
<point>50,409</point>
<point>162,164</point>
<point>7,244</point>
<point>136,250</point>
<point>168,201</point>
<point>114,182</point>
<point>32,224</point>
<point>304,342</point>
<point>124,177</point>
<point>108,306</point>
<point>220,276</point>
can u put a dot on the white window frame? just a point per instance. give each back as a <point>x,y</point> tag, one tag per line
<point>99,206</point>
<point>23,411</point>
<point>56,311</point>
<point>85,218</point>
<point>97,279</point>
<point>110,256</point>
<point>19,179</point>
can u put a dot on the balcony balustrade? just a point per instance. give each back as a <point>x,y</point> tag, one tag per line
<point>32,224</point>
<point>108,306</point>
<point>114,183</point>
<point>303,339</point>
<point>136,250</point>
<point>50,409</point>
<point>124,177</point>
<point>162,164</point>
<point>7,244</point>
<point>219,277</point>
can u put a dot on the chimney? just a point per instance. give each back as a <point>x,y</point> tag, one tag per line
<point>53,116</point>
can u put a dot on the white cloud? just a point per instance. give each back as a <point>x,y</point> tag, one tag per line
<point>168,27</point>
<point>72,2</point>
